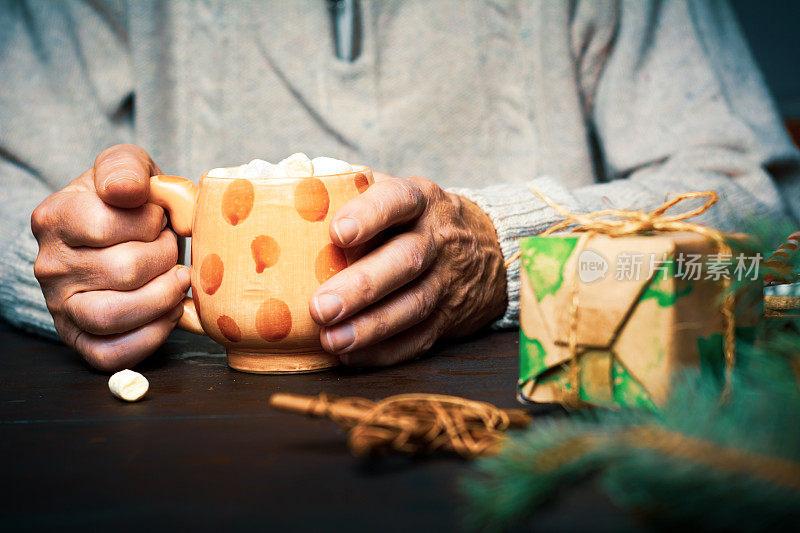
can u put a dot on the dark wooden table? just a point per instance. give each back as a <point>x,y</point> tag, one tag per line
<point>204,452</point>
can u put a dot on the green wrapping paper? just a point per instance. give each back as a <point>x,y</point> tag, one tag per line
<point>643,314</point>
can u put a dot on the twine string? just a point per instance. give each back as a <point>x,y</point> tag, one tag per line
<point>781,263</point>
<point>417,423</point>
<point>572,399</point>
<point>630,222</point>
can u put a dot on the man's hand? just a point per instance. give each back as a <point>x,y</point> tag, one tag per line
<point>437,272</point>
<point>106,264</point>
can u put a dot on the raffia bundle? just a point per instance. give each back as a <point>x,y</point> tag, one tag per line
<point>411,423</point>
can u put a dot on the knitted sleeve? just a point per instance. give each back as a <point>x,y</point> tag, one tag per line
<point>66,80</point>
<point>678,104</point>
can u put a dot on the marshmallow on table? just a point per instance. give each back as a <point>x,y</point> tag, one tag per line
<point>128,385</point>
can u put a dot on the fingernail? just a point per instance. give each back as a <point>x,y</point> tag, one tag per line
<point>175,314</point>
<point>184,277</point>
<point>328,306</point>
<point>164,221</point>
<point>340,337</point>
<point>346,229</point>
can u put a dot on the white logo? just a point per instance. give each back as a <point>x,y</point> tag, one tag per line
<point>591,266</point>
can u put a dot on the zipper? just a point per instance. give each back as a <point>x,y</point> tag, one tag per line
<point>346,25</point>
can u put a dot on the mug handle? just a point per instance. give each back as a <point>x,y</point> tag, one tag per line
<point>178,196</point>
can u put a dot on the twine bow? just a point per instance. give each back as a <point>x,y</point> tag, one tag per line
<point>630,222</point>
<point>412,423</point>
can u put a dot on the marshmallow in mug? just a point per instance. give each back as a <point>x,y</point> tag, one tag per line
<point>295,166</point>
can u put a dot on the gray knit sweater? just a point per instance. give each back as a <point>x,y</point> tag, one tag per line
<point>628,101</point>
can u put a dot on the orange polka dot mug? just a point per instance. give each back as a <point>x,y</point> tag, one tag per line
<point>260,247</point>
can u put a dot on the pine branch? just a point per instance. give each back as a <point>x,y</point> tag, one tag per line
<point>694,463</point>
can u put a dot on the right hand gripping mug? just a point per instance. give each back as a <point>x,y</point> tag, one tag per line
<point>260,247</point>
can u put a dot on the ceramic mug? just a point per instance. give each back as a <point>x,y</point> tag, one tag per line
<point>260,247</point>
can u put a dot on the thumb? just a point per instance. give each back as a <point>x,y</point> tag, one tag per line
<point>381,176</point>
<point>122,175</point>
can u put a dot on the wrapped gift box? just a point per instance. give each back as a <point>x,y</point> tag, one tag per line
<point>648,306</point>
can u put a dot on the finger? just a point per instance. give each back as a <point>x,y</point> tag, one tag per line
<point>110,312</point>
<point>383,205</point>
<point>402,347</point>
<point>123,267</point>
<point>66,329</point>
<point>381,176</point>
<point>397,262</point>
<point>85,220</point>
<point>122,175</point>
<point>390,316</point>
<point>125,350</point>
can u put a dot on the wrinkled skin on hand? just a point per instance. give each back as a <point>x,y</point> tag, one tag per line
<point>107,267</point>
<point>436,271</point>
<point>106,263</point>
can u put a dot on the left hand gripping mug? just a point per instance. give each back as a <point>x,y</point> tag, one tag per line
<point>260,247</point>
